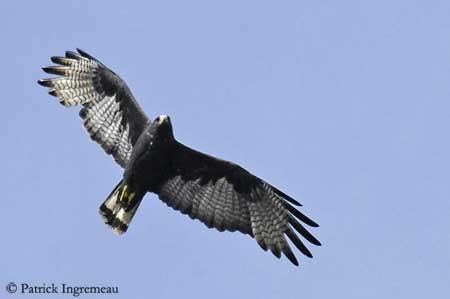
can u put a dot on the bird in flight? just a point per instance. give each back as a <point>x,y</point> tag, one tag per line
<point>221,194</point>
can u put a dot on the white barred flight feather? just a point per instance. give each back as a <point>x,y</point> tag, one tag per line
<point>107,102</point>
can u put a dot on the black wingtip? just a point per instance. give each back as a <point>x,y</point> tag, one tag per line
<point>53,93</point>
<point>73,55</point>
<point>298,243</point>
<point>300,215</point>
<point>293,201</point>
<point>60,60</point>
<point>303,231</point>
<point>44,82</point>
<point>55,59</point>
<point>290,255</point>
<point>87,55</point>
<point>262,244</point>
<point>286,197</point>
<point>311,223</point>
<point>54,70</point>
<point>293,261</point>
<point>83,53</point>
<point>276,252</point>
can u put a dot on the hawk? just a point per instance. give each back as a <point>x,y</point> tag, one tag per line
<point>221,194</point>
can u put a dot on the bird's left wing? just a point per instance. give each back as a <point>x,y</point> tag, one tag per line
<point>227,197</point>
<point>110,112</point>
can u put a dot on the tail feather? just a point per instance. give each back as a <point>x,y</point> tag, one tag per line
<point>120,206</point>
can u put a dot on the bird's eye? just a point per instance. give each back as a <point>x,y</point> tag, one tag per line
<point>157,119</point>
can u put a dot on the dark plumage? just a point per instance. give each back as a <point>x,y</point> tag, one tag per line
<point>219,193</point>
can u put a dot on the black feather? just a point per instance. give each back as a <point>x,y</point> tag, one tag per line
<point>73,55</point>
<point>53,92</point>
<point>45,82</point>
<point>262,244</point>
<point>289,254</point>
<point>87,55</point>
<point>275,250</point>
<point>298,243</point>
<point>60,60</point>
<point>300,215</point>
<point>302,230</point>
<point>285,196</point>
<point>55,70</point>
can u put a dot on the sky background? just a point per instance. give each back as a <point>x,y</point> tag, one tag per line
<point>344,105</point>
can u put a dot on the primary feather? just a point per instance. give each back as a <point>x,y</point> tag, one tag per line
<point>110,113</point>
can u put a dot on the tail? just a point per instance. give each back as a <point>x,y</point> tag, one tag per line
<point>120,206</point>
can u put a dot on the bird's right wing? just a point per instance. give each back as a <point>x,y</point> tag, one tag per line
<point>225,196</point>
<point>111,115</point>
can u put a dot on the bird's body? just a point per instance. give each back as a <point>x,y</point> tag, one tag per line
<point>150,160</point>
<point>219,193</point>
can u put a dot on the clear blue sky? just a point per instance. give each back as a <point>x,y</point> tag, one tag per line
<point>342,104</point>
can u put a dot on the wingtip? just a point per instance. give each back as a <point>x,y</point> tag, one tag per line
<point>314,241</point>
<point>308,221</point>
<point>298,243</point>
<point>54,70</point>
<point>53,93</point>
<point>60,60</point>
<point>72,55</point>
<point>291,257</point>
<point>285,196</point>
<point>294,202</point>
<point>313,224</point>
<point>86,55</point>
<point>42,83</point>
<point>287,251</point>
<point>54,59</point>
<point>45,82</point>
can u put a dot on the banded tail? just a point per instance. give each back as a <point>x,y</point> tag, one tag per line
<point>120,206</point>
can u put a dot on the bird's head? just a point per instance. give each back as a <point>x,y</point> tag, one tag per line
<point>161,128</point>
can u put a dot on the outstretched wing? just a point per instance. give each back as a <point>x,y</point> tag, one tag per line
<point>227,197</point>
<point>110,112</point>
